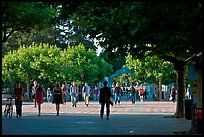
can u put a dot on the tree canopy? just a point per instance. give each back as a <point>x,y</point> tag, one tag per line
<point>151,70</point>
<point>26,17</point>
<point>48,63</point>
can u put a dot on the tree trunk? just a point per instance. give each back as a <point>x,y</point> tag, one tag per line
<point>180,68</point>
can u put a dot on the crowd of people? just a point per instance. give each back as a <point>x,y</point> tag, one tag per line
<point>132,92</point>
<point>61,93</point>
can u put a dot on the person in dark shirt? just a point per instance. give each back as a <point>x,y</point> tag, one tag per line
<point>105,98</point>
<point>58,97</point>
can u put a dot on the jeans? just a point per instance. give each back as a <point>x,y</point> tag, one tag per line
<point>95,97</point>
<point>117,98</point>
<point>74,99</point>
<point>133,98</point>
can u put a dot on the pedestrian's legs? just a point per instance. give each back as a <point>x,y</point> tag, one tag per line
<point>65,99</point>
<point>39,109</point>
<point>86,100</point>
<point>72,100</point>
<point>102,109</point>
<point>118,99</point>
<point>107,109</point>
<point>35,103</point>
<point>17,108</point>
<point>133,98</point>
<point>57,109</point>
<point>94,97</point>
<point>20,108</point>
<point>75,100</point>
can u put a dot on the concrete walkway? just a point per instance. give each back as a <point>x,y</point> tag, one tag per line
<point>142,118</point>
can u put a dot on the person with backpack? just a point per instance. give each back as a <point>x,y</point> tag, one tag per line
<point>86,90</point>
<point>74,90</point>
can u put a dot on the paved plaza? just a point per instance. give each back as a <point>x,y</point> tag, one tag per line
<point>142,118</point>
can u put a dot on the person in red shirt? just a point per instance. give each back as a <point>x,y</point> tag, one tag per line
<point>18,96</point>
<point>141,93</point>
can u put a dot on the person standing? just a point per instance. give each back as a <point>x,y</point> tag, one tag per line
<point>117,93</point>
<point>86,90</point>
<point>57,97</point>
<point>39,97</point>
<point>34,88</point>
<point>18,96</point>
<point>95,93</point>
<point>105,99</point>
<point>133,93</point>
<point>74,90</point>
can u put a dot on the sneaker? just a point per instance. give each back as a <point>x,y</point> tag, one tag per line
<point>17,116</point>
<point>57,113</point>
<point>107,118</point>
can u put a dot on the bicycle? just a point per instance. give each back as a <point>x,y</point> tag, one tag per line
<point>8,111</point>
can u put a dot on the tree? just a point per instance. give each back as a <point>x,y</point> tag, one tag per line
<point>26,17</point>
<point>171,31</point>
<point>47,63</point>
<point>116,62</point>
<point>152,70</point>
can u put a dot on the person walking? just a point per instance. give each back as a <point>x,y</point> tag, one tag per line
<point>173,93</point>
<point>34,88</point>
<point>64,91</point>
<point>141,94</point>
<point>49,95</point>
<point>39,97</point>
<point>95,93</point>
<point>57,97</point>
<point>18,96</point>
<point>133,93</point>
<point>117,92</point>
<point>74,90</point>
<point>105,99</point>
<point>86,91</point>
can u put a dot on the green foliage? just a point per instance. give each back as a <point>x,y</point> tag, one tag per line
<point>151,69</point>
<point>173,29</point>
<point>48,63</point>
<point>26,17</point>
